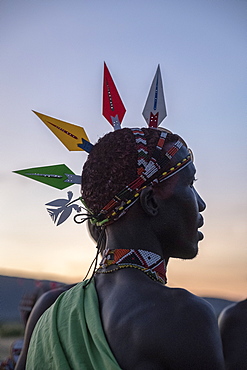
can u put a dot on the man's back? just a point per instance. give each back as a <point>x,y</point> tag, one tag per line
<point>151,326</point>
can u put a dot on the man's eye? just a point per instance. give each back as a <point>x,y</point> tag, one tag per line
<point>192,182</point>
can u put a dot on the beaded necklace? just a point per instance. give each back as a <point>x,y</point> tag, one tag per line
<point>150,263</point>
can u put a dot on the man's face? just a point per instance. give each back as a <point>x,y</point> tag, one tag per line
<point>179,213</point>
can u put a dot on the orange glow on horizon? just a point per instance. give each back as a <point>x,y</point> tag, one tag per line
<point>193,280</point>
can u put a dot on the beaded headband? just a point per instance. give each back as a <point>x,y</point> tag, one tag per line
<point>75,138</point>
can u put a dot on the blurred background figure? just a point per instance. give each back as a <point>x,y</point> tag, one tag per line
<point>15,351</point>
<point>28,300</point>
<point>233,330</point>
<point>49,291</point>
<point>41,304</point>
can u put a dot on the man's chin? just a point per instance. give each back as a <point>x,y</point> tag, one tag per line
<point>192,252</point>
<point>188,254</point>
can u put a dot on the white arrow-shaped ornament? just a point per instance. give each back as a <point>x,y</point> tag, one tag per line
<point>155,108</point>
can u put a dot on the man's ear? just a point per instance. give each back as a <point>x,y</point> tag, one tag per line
<point>148,201</point>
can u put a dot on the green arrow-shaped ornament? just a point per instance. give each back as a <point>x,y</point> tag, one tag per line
<point>58,176</point>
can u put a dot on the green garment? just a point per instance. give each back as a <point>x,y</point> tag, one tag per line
<point>69,335</point>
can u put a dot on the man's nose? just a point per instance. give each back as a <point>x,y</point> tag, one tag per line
<point>201,203</point>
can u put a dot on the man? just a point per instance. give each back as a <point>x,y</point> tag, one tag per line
<point>233,330</point>
<point>138,187</point>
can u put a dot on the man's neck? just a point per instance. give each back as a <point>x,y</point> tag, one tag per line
<point>133,235</point>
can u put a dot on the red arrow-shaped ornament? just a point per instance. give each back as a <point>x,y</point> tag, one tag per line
<point>113,107</point>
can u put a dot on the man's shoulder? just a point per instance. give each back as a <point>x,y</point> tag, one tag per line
<point>183,308</point>
<point>169,311</point>
<point>180,299</point>
<point>166,326</point>
<point>234,309</point>
<point>179,311</point>
<point>234,316</point>
<point>185,324</point>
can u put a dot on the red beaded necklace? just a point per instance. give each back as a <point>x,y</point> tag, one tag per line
<point>148,262</point>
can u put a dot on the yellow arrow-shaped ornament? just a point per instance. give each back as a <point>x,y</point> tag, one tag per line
<point>72,136</point>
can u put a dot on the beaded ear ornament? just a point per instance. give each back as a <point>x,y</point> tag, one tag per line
<point>74,137</point>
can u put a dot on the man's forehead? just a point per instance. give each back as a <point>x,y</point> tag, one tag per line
<point>189,171</point>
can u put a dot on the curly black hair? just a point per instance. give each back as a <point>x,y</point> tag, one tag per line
<point>112,164</point>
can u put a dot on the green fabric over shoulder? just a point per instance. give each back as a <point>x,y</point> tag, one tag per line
<point>69,335</point>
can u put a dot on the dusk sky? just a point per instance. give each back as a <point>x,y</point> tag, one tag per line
<point>51,58</point>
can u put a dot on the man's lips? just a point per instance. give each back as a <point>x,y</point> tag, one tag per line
<point>201,222</point>
<point>200,235</point>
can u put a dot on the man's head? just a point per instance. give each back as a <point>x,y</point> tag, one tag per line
<point>116,170</point>
<point>131,158</point>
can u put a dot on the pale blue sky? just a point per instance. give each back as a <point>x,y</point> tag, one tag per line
<point>51,59</point>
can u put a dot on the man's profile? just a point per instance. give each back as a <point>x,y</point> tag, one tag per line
<point>138,187</point>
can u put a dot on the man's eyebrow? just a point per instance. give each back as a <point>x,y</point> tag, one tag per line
<point>193,172</point>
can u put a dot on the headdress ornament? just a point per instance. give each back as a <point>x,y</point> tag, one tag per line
<point>75,138</point>
<point>113,107</point>
<point>155,108</point>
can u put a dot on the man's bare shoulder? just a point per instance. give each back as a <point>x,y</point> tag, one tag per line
<point>233,319</point>
<point>168,327</point>
<point>185,326</point>
<point>184,300</point>
<point>188,309</point>
<point>234,313</point>
<point>233,329</point>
